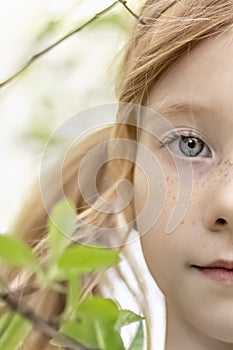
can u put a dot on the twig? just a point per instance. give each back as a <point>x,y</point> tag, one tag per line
<point>56,43</point>
<point>139,18</point>
<point>76,30</point>
<point>47,328</point>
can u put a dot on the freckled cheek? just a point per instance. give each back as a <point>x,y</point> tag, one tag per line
<point>191,191</point>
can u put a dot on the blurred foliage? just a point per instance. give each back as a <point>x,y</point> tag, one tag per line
<point>52,90</point>
<point>94,321</point>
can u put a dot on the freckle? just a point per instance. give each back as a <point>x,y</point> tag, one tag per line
<point>174,198</point>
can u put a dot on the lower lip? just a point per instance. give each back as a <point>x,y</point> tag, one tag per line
<point>217,274</point>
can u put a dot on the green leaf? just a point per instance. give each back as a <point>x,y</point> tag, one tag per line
<point>137,343</point>
<point>82,332</point>
<point>100,335</point>
<point>72,298</point>
<point>126,317</point>
<point>89,313</point>
<point>16,332</point>
<point>83,259</point>
<point>62,340</point>
<point>97,308</point>
<point>62,224</point>
<point>108,338</point>
<point>95,324</point>
<point>15,252</point>
<point>5,320</point>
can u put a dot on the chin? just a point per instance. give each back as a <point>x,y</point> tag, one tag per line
<point>228,339</point>
<point>222,332</point>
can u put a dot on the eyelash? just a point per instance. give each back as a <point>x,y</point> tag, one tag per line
<point>177,135</point>
<point>174,134</point>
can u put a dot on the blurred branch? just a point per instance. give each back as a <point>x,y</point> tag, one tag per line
<point>58,42</point>
<point>49,329</point>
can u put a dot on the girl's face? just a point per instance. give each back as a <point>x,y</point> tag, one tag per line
<point>200,86</point>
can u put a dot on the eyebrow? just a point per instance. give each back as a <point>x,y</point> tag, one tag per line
<point>170,109</point>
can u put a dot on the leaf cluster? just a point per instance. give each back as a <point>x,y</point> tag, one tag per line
<point>92,322</point>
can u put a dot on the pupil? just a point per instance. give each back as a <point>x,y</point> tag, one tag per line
<point>191,143</point>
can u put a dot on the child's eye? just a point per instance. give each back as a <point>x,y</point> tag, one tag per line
<point>188,146</point>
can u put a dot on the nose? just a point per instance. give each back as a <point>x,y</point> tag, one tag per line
<point>218,209</point>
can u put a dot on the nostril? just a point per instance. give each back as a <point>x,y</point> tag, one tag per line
<point>221,221</point>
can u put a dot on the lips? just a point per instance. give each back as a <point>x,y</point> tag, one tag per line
<point>220,270</point>
<point>222,264</point>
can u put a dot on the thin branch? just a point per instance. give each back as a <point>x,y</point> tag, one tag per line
<point>76,30</point>
<point>139,18</point>
<point>19,293</point>
<point>56,43</point>
<point>49,329</point>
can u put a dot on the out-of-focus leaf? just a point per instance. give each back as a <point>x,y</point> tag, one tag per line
<point>137,343</point>
<point>97,308</point>
<point>84,259</point>
<point>95,323</point>
<point>126,317</point>
<point>62,224</point>
<point>91,311</point>
<point>107,337</point>
<point>73,296</point>
<point>5,320</point>
<point>15,333</point>
<point>17,253</point>
<point>81,332</point>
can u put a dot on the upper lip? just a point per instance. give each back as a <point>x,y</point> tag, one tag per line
<point>224,264</point>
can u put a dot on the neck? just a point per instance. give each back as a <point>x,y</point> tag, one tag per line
<point>181,335</point>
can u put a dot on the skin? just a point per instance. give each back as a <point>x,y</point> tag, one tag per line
<point>199,310</point>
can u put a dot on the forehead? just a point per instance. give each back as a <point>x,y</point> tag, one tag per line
<point>203,76</point>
